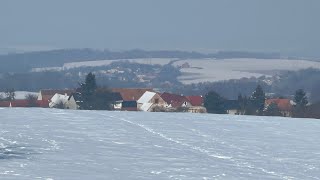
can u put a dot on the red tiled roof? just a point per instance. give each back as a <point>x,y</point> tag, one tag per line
<point>15,103</point>
<point>195,100</point>
<point>4,103</point>
<point>19,103</point>
<point>174,99</point>
<point>23,103</point>
<point>43,103</point>
<point>283,104</point>
<point>131,94</point>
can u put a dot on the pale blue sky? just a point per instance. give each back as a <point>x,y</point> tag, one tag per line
<point>204,25</point>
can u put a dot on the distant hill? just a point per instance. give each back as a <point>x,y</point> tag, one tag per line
<point>23,62</point>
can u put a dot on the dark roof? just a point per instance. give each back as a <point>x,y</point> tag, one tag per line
<point>126,104</point>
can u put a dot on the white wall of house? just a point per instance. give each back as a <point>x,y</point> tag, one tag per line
<point>57,99</point>
<point>232,111</point>
<point>186,104</point>
<point>40,96</point>
<point>72,104</point>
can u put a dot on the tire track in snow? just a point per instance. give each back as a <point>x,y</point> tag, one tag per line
<point>199,149</point>
<point>206,152</point>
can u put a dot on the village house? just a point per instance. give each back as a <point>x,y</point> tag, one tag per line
<point>58,101</point>
<point>197,109</point>
<point>47,94</point>
<point>285,105</point>
<point>151,101</point>
<point>131,94</point>
<point>74,101</point>
<point>195,100</point>
<point>196,104</point>
<point>175,101</point>
<point>130,97</point>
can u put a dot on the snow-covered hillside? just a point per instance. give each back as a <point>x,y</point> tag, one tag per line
<point>65,144</point>
<point>218,70</point>
<point>211,70</point>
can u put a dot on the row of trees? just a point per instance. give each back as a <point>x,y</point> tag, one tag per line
<point>255,104</point>
<point>9,95</point>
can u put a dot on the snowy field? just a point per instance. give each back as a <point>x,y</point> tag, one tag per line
<point>212,70</point>
<point>65,144</point>
<point>97,63</point>
<point>224,69</point>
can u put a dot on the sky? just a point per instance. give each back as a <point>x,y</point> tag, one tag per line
<point>285,26</point>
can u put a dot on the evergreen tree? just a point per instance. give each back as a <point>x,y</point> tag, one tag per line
<point>92,97</point>
<point>301,101</point>
<point>87,90</point>
<point>273,110</point>
<point>90,85</point>
<point>257,100</point>
<point>300,98</point>
<point>215,103</point>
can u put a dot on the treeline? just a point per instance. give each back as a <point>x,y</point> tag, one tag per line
<point>307,79</point>
<point>282,85</point>
<point>24,62</point>
<point>37,81</point>
<point>255,104</point>
<point>229,89</point>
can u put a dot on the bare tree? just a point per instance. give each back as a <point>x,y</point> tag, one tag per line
<point>10,94</point>
<point>32,100</point>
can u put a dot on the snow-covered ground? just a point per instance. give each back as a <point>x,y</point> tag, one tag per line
<point>224,69</point>
<point>64,144</point>
<point>211,70</point>
<point>97,63</point>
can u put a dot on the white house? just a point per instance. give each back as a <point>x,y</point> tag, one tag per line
<point>149,100</point>
<point>58,100</point>
<point>73,101</point>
